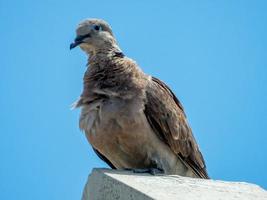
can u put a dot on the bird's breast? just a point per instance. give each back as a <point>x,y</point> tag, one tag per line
<point>119,130</point>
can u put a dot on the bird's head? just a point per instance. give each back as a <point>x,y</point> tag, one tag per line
<point>92,35</point>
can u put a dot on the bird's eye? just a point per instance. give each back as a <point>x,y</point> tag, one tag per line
<point>97,28</point>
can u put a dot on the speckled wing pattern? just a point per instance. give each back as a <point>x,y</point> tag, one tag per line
<point>166,116</point>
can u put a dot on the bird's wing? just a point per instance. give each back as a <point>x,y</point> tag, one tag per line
<point>166,116</point>
<point>102,157</point>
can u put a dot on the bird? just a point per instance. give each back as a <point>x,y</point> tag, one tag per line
<point>132,120</point>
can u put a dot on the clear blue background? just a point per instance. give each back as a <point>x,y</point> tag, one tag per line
<point>213,54</point>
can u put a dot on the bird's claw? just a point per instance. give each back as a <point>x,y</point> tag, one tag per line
<point>152,171</point>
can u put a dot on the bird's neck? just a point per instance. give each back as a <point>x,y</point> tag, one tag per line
<point>109,72</point>
<point>100,57</point>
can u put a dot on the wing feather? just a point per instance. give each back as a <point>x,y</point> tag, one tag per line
<point>102,157</point>
<point>166,116</point>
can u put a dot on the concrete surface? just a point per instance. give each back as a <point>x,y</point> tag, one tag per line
<point>107,184</point>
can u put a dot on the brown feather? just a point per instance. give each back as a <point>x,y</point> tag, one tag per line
<point>167,118</point>
<point>115,93</point>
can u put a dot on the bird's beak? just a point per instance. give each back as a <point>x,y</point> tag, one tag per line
<point>79,40</point>
<point>74,44</point>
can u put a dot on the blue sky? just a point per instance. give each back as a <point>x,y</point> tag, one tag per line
<point>213,54</point>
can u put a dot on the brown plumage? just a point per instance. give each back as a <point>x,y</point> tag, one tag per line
<point>132,120</point>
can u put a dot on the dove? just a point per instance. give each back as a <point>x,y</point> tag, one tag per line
<point>131,119</point>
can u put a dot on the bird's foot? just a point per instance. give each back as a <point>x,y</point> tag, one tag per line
<point>152,171</point>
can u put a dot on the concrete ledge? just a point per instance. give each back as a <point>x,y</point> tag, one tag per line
<point>124,185</point>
